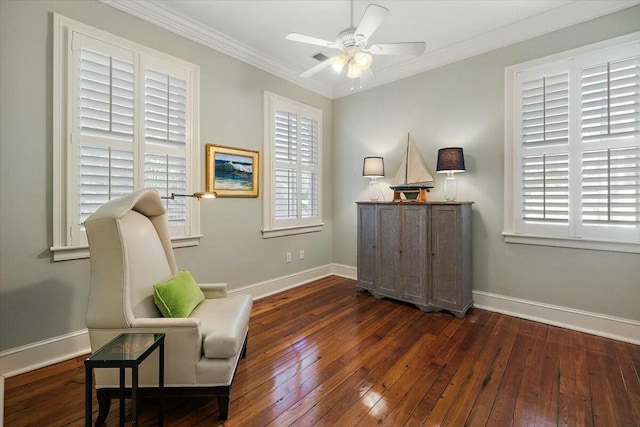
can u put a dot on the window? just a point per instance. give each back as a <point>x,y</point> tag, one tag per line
<point>125,118</point>
<point>293,174</point>
<point>572,166</point>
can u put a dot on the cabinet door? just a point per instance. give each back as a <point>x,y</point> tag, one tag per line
<point>388,246</point>
<point>414,254</point>
<point>446,257</point>
<point>367,236</point>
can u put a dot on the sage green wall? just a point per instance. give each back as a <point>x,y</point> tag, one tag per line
<point>462,104</point>
<point>40,299</point>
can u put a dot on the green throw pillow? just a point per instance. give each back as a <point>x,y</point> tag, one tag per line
<point>178,296</point>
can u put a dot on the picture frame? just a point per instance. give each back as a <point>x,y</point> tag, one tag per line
<point>232,172</point>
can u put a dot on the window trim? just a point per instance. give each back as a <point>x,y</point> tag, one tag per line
<point>63,28</point>
<point>309,225</point>
<point>510,208</point>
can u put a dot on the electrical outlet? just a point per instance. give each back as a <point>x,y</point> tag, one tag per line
<point>288,256</point>
<point>301,253</point>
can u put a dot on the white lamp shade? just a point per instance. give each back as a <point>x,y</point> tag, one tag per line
<point>363,59</point>
<point>373,167</point>
<point>337,62</point>
<point>354,71</point>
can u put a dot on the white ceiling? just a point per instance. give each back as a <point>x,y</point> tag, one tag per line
<point>253,31</point>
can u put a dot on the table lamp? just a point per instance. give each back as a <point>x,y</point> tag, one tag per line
<point>373,168</point>
<point>450,160</point>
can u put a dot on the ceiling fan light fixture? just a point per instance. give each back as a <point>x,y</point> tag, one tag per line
<point>363,59</point>
<point>354,71</point>
<point>338,62</point>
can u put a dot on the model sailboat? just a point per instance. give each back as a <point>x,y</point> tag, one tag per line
<point>413,178</point>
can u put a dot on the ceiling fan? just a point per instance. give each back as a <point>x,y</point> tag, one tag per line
<point>356,55</point>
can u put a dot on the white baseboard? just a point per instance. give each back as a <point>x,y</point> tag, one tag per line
<point>279,284</point>
<point>584,321</point>
<point>57,349</point>
<point>44,353</point>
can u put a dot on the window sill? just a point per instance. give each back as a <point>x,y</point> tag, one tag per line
<point>567,242</point>
<point>289,231</point>
<point>66,253</point>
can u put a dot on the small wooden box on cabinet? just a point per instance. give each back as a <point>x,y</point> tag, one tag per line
<point>417,252</point>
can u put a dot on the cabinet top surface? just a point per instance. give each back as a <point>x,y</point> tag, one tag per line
<point>430,202</point>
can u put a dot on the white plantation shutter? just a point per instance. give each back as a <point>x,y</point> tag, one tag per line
<point>103,131</point>
<point>309,167</point>
<point>168,174</point>
<point>286,194</point>
<point>285,137</point>
<point>292,167</point>
<point>106,96</point>
<point>611,187</point>
<point>545,188</point>
<point>545,141</point>
<point>127,119</point>
<point>165,109</point>
<point>610,145</point>
<point>285,151</point>
<point>545,111</point>
<point>577,146</point>
<point>165,166</point>
<point>105,173</point>
<point>611,101</point>
<point>308,194</point>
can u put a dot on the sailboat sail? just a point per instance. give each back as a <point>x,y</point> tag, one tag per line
<point>413,171</point>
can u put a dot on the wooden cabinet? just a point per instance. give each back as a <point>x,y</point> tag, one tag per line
<point>417,252</point>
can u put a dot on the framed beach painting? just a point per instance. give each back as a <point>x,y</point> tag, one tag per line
<point>232,172</point>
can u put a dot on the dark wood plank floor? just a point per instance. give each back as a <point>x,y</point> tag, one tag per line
<point>324,354</point>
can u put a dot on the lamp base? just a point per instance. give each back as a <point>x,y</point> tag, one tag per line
<point>374,190</point>
<point>450,189</point>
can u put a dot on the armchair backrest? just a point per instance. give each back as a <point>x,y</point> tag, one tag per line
<point>130,249</point>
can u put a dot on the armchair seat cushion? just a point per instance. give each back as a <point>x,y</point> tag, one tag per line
<point>223,324</point>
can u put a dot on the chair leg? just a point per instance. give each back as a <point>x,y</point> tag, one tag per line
<point>243,353</point>
<point>223,406</point>
<point>104,404</point>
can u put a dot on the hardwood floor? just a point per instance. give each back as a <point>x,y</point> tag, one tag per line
<point>325,354</point>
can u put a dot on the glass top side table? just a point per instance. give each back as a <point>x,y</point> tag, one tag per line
<point>125,351</point>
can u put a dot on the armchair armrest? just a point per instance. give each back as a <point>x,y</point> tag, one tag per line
<point>165,323</point>
<point>183,345</point>
<point>214,290</point>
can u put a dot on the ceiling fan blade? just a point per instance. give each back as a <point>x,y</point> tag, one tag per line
<point>406,48</point>
<point>310,40</point>
<point>371,20</point>
<point>315,69</point>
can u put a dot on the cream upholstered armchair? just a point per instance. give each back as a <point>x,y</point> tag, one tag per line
<point>130,252</point>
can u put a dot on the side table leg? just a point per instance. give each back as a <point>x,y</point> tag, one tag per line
<point>122,386</point>
<point>134,396</point>
<point>161,383</point>
<point>88,380</point>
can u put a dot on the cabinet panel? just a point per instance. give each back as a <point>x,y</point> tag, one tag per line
<point>445,262</point>
<point>413,254</point>
<point>388,249</point>
<point>367,236</point>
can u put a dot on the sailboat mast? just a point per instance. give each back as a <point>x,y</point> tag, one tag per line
<point>406,166</point>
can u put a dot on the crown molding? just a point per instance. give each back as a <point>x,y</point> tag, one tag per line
<point>547,22</point>
<point>155,12</point>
